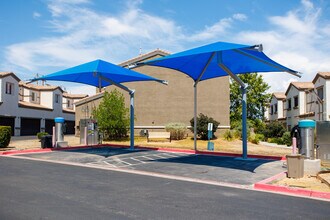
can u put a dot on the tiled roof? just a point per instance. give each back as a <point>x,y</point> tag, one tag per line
<point>325,75</point>
<point>279,95</point>
<point>4,74</point>
<point>23,104</point>
<point>145,57</point>
<point>300,86</point>
<point>303,85</point>
<point>74,96</point>
<point>39,87</point>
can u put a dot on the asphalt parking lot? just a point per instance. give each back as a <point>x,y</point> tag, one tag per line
<point>201,167</point>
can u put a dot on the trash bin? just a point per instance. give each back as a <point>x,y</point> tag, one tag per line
<point>46,141</point>
<point>295,164</point>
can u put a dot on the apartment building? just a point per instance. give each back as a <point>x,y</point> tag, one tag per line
<point>302,100</point>
<point>31,108</point>
<point>276,108</point>
<point>322,93</point>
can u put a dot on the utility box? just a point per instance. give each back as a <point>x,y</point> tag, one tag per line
<point>307,128</point>
<point>323,141</point>
<point>59,132</point>
<point>92,134</point>
<point>295,164</point>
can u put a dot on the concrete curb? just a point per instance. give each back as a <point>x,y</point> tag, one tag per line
<point>265,185</point>
<point>142,148</point>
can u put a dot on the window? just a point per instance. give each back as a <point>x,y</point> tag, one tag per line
<point>289,104</point>
<point>57,98</point>
<point>320,93</point>
<point>33,97</point>
<point>271,109</point>
<point>296,101</point>
<point>9,88</point>
<point>68,104</point>
<point>275,109</point>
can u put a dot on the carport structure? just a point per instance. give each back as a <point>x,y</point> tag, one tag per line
<point>100,73</point>
<point>222,59</point>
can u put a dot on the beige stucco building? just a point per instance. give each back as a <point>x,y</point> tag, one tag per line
<point>157,104</point>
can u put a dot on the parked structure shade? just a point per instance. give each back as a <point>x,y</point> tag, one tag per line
<point>100,73</point>
<point>217,60</point>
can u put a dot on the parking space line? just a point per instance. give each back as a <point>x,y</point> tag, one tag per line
<point>109,164</point>
<point>148,158</point>
<point>133,158</point>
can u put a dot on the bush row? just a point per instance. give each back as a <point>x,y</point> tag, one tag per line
<point>5,135</point>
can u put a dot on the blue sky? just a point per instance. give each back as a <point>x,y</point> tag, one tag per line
<point>43,36</point>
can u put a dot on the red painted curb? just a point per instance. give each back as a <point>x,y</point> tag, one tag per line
<point>142,148</point>
<point>263,185</point>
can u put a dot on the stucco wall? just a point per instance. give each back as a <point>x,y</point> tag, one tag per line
<point>292,115</point>
<point>327,97</point>
<point>46,99</point>
<point>157,104</point>
<point>9,105</point>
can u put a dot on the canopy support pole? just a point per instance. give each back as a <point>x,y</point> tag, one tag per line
<point>195,98</point>
<point>244,122</point>
<point>132,119</point>
<point>244,103</point>
<point>195,116</point>
<point>131,93</point>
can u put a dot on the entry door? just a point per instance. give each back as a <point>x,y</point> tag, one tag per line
<point>49,124</point>
<point>30,126</point>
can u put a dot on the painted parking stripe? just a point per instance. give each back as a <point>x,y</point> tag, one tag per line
<point>134,158</point>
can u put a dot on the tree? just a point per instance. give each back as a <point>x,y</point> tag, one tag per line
<point>112,116</point>
<point>202,122</point>
<point>257,97</point>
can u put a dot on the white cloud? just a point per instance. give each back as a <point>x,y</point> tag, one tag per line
<point>36,15</point>
<point>297,40</point>
<point>240,17</point>
<point>218,29</point>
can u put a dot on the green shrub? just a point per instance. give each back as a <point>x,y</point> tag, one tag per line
<point>202,122</point>
<point>177,130</point>
<point>274,129</point>
<point>272,140</point>
<point>260,137</point>
<point>287,140</point>
<point>259,126</point>
<point>5,135</point>
<point>237,134</point>
<point>229,135</point>
<point>112,116</point>
<point>237,127</point>
<point>255,138</point>
<point>41,134</point>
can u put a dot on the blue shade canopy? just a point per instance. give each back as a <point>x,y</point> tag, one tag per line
<point>238,58</point>
<point>93,73</point>
<point>217,60</point>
